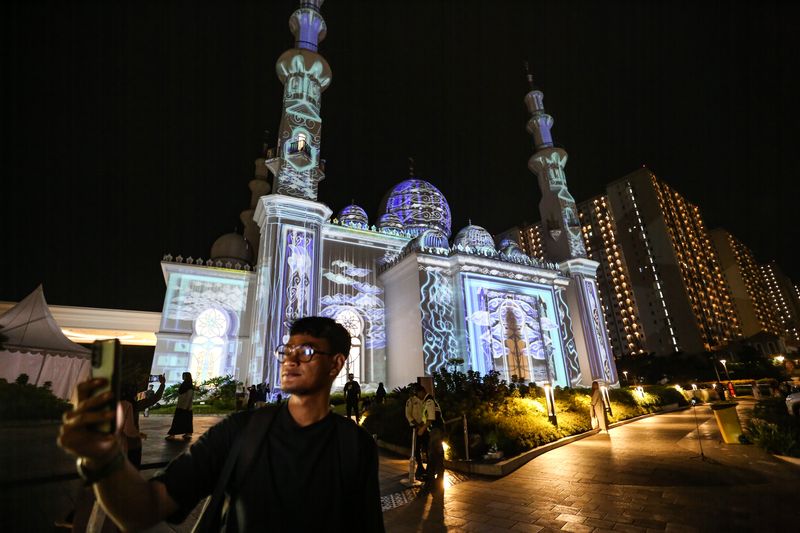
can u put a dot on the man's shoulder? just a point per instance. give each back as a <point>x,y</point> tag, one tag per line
<point>347,425</point>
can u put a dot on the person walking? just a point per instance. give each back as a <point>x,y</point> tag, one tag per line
<point>380,394</point>
<point>352,394</point>
<point>433,424</point>
<point>182,421</point>
<point>599,417</point>
<point>414,418</point>
<point>313,467</point>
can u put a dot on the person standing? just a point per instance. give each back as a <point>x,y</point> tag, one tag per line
<point>599,417</point>
<point>313,469</point>
<point>380,394</point>
<point>414,417</point>
<point>149,393</point>
<point>131,407</point>
<point>352,394</point>
<point>182,421</point>
<point>433,424</point>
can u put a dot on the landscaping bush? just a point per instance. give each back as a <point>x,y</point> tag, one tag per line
<point>22,401</point>
<point>510,417</point>
<point>774,429</point>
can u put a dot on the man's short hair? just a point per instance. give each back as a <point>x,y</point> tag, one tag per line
<point>324,328</point>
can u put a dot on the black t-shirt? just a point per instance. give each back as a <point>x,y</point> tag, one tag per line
<point>296,482</point>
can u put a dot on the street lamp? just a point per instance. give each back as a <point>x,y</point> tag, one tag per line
<point>723,361</point>
<point>625,372</point>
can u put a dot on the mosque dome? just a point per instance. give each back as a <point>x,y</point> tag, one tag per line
<point>506,242</point>
<point>430,240</point>
<point>232,247</point>
<point>511,250</point>
<point>390,221</point>
<point>353,216</point>
<point>420,206</point>
<point>476,238</point>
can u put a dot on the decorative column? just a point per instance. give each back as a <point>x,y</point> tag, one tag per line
<point>290,220</point>
<point>562,243</point>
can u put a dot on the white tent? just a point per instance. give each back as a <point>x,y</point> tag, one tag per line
<point>36,346</point>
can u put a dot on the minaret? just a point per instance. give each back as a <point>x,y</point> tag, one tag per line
<point>563,244</point>
<point>560,224</point>
<point>305,75</point>
<point>290,220</point>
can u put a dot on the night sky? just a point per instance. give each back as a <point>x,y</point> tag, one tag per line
<point>130,129</point>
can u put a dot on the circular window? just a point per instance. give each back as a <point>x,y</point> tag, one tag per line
<point>211,323</point>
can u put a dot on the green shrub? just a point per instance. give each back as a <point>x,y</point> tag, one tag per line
<point>22,401</point>
<point>511,417</point>
<point>777,439</point>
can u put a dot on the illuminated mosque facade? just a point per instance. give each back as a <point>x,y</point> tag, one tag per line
<point>412,298</point>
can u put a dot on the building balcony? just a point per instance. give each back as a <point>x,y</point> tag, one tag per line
<point>299,154</point>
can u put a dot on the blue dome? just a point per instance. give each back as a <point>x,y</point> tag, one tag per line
<point>512,251</point>
<point>476,238</point>
<point>420,206</point>
<point>390,221</point>
<point>433,238</point>
<point>353,216</point>
<point>505,243</point>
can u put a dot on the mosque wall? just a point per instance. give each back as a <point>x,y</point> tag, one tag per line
<point>204,322</point>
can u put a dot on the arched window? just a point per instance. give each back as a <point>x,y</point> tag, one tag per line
<point>209,344</point>
<point>354,324</point>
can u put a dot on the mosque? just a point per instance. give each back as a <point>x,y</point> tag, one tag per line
<point>412,298</point>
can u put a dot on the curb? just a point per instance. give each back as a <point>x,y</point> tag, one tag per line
<point>503,468</point>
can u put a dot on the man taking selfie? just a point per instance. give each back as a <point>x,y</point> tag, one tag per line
<point>293,467</point>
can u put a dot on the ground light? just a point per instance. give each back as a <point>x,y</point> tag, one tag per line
<point>640,391</point>
<point>550,400</point>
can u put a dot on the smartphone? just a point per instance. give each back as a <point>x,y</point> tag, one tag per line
<point>153,378</point>
<point>106,358</point>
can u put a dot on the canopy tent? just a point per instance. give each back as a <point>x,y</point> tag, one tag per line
<point>34,345</point>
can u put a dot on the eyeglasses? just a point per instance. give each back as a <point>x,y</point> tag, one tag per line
<point>304,353</point>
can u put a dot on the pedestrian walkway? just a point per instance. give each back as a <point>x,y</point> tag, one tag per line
<point>644,476</point>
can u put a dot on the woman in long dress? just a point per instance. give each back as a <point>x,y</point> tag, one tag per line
<point>182,421</point>
<point>599,418</point>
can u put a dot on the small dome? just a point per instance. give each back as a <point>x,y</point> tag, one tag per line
<point>505,243</point>
<point>420,206</point>
<point>232,247</point>
<point>390,221</point>
<point>353,216</point>
<point>476,238</point>
<point>431,239</point>
<point>514,252</point>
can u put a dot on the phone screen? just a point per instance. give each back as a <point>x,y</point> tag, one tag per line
<point>106,364</point>
<point>153,378</point>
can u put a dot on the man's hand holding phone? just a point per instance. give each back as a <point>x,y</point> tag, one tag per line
<point>79,435</point>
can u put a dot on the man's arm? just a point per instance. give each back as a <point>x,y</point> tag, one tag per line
<point>144,403</point>
<point>130,500</point>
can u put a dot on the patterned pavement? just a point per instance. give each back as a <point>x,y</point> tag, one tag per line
<point>644,476</point>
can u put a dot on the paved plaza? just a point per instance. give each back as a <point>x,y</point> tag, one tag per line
<point>647,475</point>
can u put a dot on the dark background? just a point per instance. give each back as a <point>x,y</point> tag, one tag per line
<point>129,129</point>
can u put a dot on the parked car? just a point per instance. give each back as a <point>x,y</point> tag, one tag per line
<point>793,403</point>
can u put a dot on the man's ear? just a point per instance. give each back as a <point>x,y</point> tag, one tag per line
<point>338,363</point>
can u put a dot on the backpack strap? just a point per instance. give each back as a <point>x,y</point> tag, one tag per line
<point>347,435</point>
<point>243,451</point>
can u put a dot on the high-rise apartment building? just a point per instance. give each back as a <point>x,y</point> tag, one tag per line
<point>673,267</point>
<point>599,230</point>
<point>663,288</point>
<point>748,286</point>
<point>783,299</point>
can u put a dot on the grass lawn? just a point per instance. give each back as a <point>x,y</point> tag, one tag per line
<point>197,409</point>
